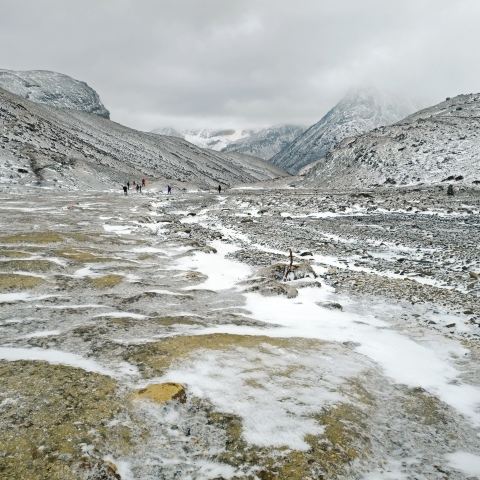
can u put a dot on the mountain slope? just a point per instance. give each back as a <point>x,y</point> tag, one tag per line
<point>359,111</point>
<point>437,143</point>
<point>42,144</point>
<point>52,88</point>
<point>267,142</point>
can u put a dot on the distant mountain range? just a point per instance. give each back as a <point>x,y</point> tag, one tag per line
<point>359,111</point>
<point>54,89</point>
<point>214,139</point>
<point>260,142</point>
<point>54,130</point>
<point>266,142</point>
<point>439,143</point>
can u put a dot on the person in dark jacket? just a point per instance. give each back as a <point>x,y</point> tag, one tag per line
<point>219,189</point>
<point>169,190</point>
<point>125,190</point>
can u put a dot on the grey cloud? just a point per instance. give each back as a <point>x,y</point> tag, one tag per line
<point>244,62</point>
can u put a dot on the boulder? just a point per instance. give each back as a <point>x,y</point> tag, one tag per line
<point>162,392</point>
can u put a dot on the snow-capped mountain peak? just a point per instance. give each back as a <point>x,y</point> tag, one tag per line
<point>360,110</point>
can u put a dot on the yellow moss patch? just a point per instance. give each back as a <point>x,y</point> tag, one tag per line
<point>162,392</point>
<point>13,281</point>
<point>154,358</point>
<point>330,455</point>
<point>33,237</point>
<point>424,407</point>
<point>13,254</point>
<point>106,281</point>
<point>27,265</point>
<point>80,256</point>
<point>53,411</point>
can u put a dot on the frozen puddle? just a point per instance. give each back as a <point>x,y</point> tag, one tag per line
<point>465,462</point>
<point>118,229</point>
<point>222,273</point>
<point>55,357</point>
<point>22,297</point>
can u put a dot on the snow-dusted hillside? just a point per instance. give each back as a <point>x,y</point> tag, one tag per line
<point>52,88</point>
<point>359,111</point>
<point>437,143</point>
<point>46,145</point>
<point>267,142</point>
<point>215,139</point>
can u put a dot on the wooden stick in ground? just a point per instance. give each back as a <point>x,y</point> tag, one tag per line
<point>288,268</point>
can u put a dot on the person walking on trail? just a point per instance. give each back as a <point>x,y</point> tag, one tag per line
<point>169,190</point>
<point>125,190</point>
<point>143,182</point>
<point>128,185</point>
<point>219,189</point>
<point>137,186</point>
<point>140,187</point>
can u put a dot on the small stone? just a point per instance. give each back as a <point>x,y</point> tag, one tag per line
<point>330,305</point>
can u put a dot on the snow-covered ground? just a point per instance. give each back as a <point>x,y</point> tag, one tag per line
<point>149,289</point>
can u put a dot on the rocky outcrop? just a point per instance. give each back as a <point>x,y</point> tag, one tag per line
<point>54,89</point>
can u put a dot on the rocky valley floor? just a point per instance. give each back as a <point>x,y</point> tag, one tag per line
<point>167,337</point>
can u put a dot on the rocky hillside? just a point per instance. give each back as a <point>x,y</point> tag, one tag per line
<point>267,142</point>
<point>440,143</point>
<point>40,144</point>
<point>359,111</point>
<point>52,88</point>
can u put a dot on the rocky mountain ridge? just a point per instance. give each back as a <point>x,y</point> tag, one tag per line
<point>359,111</point>
<point>54,89</point>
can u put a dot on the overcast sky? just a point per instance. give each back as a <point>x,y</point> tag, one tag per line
<point>200,63</point>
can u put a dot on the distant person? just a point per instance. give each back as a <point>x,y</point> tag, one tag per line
<point>219,189</point>
<point>140,187</point>
<point>137,187</point>
<point>169,190</point>
<point>128,185</point>
<point>143,182</point>
<point>125,190</point>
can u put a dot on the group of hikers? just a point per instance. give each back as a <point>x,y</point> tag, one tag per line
<point>139,185</point>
